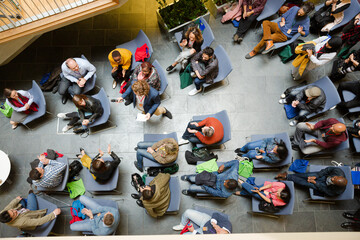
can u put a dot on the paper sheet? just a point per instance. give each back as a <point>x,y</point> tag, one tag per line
<point>141,117</point>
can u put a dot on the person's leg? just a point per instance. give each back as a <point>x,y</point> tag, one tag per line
<point>159,111</point>
<point>248,187</point>
<point>335,74</point>
<point>116,75</point>
<point>300,179</point>
<point>88,202</point>
<point>81,226</point>
<point>193,189</point>
<point>140,154</point>
<point>32,203</point>
<point>302,115</point>
<point>300,131</point>
<point>353,87</point>
<point>310,148</point>
<point>184,54</point>
<point>193,139</point>
<point>186,134</point>
<point>75,119</point>
<point>198,83</point>
<point>245,24</point>
<point>252,145</point>
<point>251,154</point>
<point>63,86</point>
<point>145,145</point>
<point>74,89</point>
<point>199,218</point>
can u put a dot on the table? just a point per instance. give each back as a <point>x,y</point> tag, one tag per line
<point>5,167</point>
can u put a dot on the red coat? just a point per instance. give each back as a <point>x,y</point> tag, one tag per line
<point>332,140</point>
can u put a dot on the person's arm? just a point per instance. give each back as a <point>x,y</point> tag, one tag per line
<point>231,164</point>
<point>160,143</point>
<point>57,166</point>
<point>13,107</point>
<point>209,68</point>
<point>40,221</point>
<point>326,171</point>
<point>266,186</point>
<point>116,160</point>
<point>97,109</point>
<point>215,192</point>
<point>326,144</point>
<point>12,204</point>
<point>127,60</point>
<point>259,8</point>
<point>90,68</point>
<point>340,9</point>
<point>305,28</point>
<point>196,58</point>
<point>81,114</point>
<point>326,57</point>
<point>156,104</point>
<point>28,95</point>
<point>325,122</point>
<point>127,92</point>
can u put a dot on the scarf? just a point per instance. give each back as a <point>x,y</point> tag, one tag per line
<point>33,107</point>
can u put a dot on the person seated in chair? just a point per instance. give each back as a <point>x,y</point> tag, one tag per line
<point>225,183</point>
<point>89,109</point>
<point>22,103</point>
<point>205,68</point>
<point>214,224</point>
<point>164,151</point>
<point>101,170</point>
<point>155,197</point>
<point>355,130</point>
<point>353,87</point>
<point>101,221</point>
<point>26,215</point>
<point>350,35</point>
<point>121,61</point>
<point>327,134</point>
<point>294,21</point>
<point>329,181</point>
<point>77,72</point>
<point>309,100</point>
<point>208,131</point>
<point>269,150</point>
<point>341,67</point>
<point>48,174</point>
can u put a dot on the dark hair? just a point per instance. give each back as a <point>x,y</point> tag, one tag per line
<point>7,92</point>
<point>115,54</point>
<point>231,184</point>
<point>98,166</point>
<point>308,7</point>
<point>5,217</point>
<point>282,150</point>
<point>335,43</point>
<point>196,31</point>
<point>108,219</point>
<point>78,98</point>
<point>285,194</point>
<point>34,174</point>
<point>208,51</point>
<point>147,194</point>
<point>146,65</point>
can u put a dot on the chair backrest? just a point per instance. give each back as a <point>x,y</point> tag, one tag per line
<point>141,39</point>
<point>349,14</point>
<point>62,186</point>
<point>208,35</point>
<point>348,96</point>
<point>270,8</point>
<point>105,103</point>
<point>225,66</point>
<point>162,75</point>
<point>39,99</point>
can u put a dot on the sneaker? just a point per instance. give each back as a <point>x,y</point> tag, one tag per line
<point>282,101</point>
<point>250,54</point>
<point>137,167</point>
<point>183,141</point>
<point>79,130</point>
<point>193,74</point>
<point>61,115</point>
<point>184,178</point>
<point>194,92</point>
<point>170,68</point>
<point>293,123</point>
<point>67,128</point>
<point>283,95</point>
<point>167,114</point>
<point>178,227</point>
<point>114,84</point>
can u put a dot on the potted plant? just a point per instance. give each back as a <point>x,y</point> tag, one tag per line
<point>174,16</point>
<point>215,6</point>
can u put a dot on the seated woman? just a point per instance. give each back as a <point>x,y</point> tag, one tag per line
<point>355,130</point>
<point>23,104</point>
<point>276,193</point>
<point>101,170</point>
<point>89,109</point>
<point>164,151</point>
<point>350,36</point>
<point>341,67</point>
<point>353,87</point>
<point>191,43</point>
<point>308,100</point>
<point>270,150</point>
<point>331,14</point>
<point>314,54</point>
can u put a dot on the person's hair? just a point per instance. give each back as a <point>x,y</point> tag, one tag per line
<point>282,150</point>
<point>7,92</point>
<point>285,194</point>
<point>171,148</point>
<point>115,54</point>
<point>196,31</point>
<point>147,194</point>
<point>231,184</point>
<point>308,7</point>
<point>208,51</point>
<point>69,60</point>
<point>34,174</point>
<point>78,98</point>
<point>146,65</point>
<point>5,217</point>
<point>98,166</point>
<point>335,43</point>
<point>141,88</point>
<point>209,132</point>
<point>108,219</point>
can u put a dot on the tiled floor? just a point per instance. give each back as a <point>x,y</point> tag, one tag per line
<point>250,99</point>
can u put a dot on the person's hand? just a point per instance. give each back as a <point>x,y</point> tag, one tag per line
<point>310,140</point>
<point>311,180</point>
<point>258,157</point>
<point>351,57</point>
<point>26,106</point>
<point>195,124</point>
<point>192,51</point>
<point>262,151</point>
<point>198,75</point>
<point>221,168</point>
<point>347,60</point>
<point>120,99</point>
<point>147,116</point>
<point>191,130</point>
<point>109,149</point>
<point>57,211</point>
<point>85,122</point>
<point>150,150</point>
<point>295,103</point>
<point>310,126</point>
<point>183,43</point>
<point>244,15</point>
<point>282,23</point>
<point>123,73</point>
<point>255,190</point>
<point>101,152</point>
<point>18,198</point>
<point>300,29</point>
<point>43,159</point>
<point>248,14</point>
<point>191,228</point>
<point>309,52</point>
<point>114,69</point>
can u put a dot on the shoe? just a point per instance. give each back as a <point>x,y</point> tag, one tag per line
<point>293,123</point>
<point>186,192</point>
<point>61,115</point>
<point>66,128</point>
<point>194,92</point>
<point>250,54</point>
<point>114,84</point>
<point>193,74</point>
<point>292,138</point>
<point>269,46</point>
<point>239,40</point>
<point>135,196</point>
<point>128,102</point>
<point>350,225</point>
<point>31,191</point>
<point>167,114</point>
<point>14,126</point>
<point>64,98</point>
<point>136,148</point>
<point>184,178</point>
<point>350,216</point>
<point>139,203</point>
<point>137,167</point>
<point>283,95</point>
<point>183,141</point>
<point>170,68</point>
<point>281,176</point>
<point>235,37</point>
<point>238,151</point>
<point>295,147</point>
<point>178,227</point>
<point>282,101</point>
<point>79,130</point>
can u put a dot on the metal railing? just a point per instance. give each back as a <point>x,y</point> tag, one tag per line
<point>16,13</point>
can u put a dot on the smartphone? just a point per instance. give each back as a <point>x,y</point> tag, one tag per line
<point>113,100</point>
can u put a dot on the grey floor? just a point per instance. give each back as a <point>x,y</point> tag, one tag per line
<point>251,100</point>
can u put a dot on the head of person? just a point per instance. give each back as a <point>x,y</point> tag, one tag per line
<point>305,9</point>
<point>98,165</point>
<point>281,150</point>
<point>339,181</point>
<point>146,68</point>
<point>207,131</point>
<point>338,128</point>
<point>146,192</point>
<point>284,194</point>
<point>207,54</point>
<point>10,93</point>
<point>334,43</point>
<point>194,34</point>
<point>72,64</point>
<point>108,219</point>
<point>230,184</point>
<point>8,216</point>
<point>171,148</point>
<point>141,88</point>
<point>36,173</point>
<point>116,56</point>
<point>313,92</point>
<point>79,100</point>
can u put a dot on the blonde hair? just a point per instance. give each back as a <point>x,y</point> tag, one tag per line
<point>141,88</point>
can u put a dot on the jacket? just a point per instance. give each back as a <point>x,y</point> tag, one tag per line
<point>332,140</point>
<point>110,167</point>
<point>125,61</point>
<point>321,186</point>
<point>315,105</point>
<point>97,223</point>
<point>268,145</point>
<point>218,131</point>
<point>30,219</point>
<point>93,106</point>
<point>160,155</point>
<point>230,172</point>
<point>159,203</point>
<point>211,67</point>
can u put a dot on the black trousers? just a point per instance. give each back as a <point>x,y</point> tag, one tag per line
<point>353,87</point>
<point>245,24</point>
<point>117,75</point>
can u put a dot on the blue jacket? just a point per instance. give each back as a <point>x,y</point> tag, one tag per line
<point>97,224</point>
<point>151,102</point>
<point>268,145</point>
<point>292,23</point>
<point>230,172</point>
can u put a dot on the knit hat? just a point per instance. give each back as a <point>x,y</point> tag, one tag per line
<point>313,92</point>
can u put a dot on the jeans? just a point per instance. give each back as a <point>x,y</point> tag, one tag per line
<point>248,187</point>
<point>191,136</point>
<point>70,87</point>
<point>193,189</point>
<point>142,152</point>
<point>85,225</point>
<point>299,137</point>
<point>301,179</point>
<point>30,203</point>
<point>199,82</point>
<point>250,147</point>
<point>196,217</point>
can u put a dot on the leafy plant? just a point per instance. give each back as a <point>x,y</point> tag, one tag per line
<point>181,11</point>
<point>221,2</point>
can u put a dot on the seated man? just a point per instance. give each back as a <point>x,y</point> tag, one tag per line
<point>308,100</point>
<point>214,224</point>
<point>328,134</point>
<point>226,181</point>
<point>155,197</point>
<point>48,174</point>
<point>341,67</point>
<point>26,215</point>
<point>294,21</point>
<point>120,60</point>
<point>330,181</point>
<point>205,67</point>
<point>77,72</point>
<point>103,220</point>
<point>208,131</point>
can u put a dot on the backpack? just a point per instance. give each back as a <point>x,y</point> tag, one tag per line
<point>74,169</point>
<point>268,207</point>
<point>201,153</point>
<point>192,159</point>
<point>154,171</point>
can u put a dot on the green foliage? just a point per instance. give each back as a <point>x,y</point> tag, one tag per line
<point>221,2</point>
<point>181,11</point>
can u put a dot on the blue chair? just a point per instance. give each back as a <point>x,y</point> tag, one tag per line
<point>132,45</point>
<point>90,84</point>
<point>224,119</point>
<point>283,136</point>
<point>342,146</point>
<point>285,210</point>
<point>355,141</point>
<point>348,194</point>
<point>175,194</point>
<point>162,75</point>
<point>95,187</point>
<point>157,137</point>
<point>62,186</point>
<point>207,33</point>
<point>208,211</point>
<point>45,229</point>
<point>348,96</point>
<point>349,14</point>
<point>225,67</point>
<point>271,7</point>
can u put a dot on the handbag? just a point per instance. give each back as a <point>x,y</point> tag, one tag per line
<point>185,77</point>
<point>75,218</point>
<point>137,181</point>
<point>6,110</point>
<point>268,207</point>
